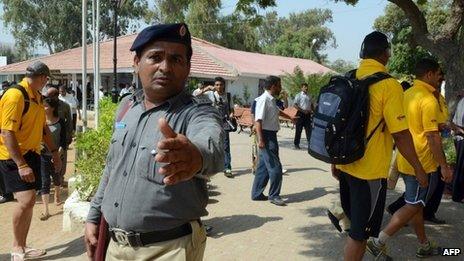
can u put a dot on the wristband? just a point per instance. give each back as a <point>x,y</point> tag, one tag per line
<point>23,166</point>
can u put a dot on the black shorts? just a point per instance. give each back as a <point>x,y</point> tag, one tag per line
<point>363,201</point>
<point>13,182</point>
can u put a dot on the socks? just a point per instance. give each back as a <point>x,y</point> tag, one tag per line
<point>382,239</point>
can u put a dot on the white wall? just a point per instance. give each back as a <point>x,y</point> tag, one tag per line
<point>236,88</point>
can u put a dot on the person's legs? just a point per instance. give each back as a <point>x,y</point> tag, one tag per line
<point>74,120</point>
<point>307,127</point>
<point>274,166</point>
<point>227,156</point>
<point>418,224</point>
<point>354,249</point>
<point>6,196</point>
<point>22,216</point>
<point>433,204</point>
<point>262,176</point>
<point>458,177</point>
<point>298,129</point>
<point>45,171</point>
<point>397,204</point>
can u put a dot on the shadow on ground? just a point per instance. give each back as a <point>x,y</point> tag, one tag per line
<point>223,226</point>
<point>68,250</point>
<point>308,195</point>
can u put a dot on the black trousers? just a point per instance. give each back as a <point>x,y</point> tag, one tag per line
<point>304,121</point>
<point>432,206</point>
<point>2,188</point>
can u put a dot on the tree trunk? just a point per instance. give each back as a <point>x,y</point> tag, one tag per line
<point>453,67</point>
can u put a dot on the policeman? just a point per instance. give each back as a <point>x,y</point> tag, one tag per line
<point>165,144</point>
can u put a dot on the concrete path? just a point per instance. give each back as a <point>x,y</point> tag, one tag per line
<point>247,230</point>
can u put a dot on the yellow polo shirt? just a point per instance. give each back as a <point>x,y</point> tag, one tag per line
<point>28,128</point>
<point>385,103</point>
<point>422,113</point>
<point>443,114</point>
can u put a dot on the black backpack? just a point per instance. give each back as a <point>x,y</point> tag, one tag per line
<point>338,131</point>
<point>25,96</point>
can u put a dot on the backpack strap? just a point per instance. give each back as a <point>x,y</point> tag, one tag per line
<point>369,80</point>
<point>27,101</point>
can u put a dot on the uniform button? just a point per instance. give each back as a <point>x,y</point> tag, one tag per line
<point>133,145</point>
<point>116,204</point>
<point>124,173</point>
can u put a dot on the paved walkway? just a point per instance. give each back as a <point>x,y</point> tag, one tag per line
<point>247,230</point>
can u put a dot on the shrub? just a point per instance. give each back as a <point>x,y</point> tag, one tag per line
<point>91,150</point>
<point>292,82</point>
<point>450,150</point>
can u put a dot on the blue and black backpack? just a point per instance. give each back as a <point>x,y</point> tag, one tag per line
<point>338,131</point>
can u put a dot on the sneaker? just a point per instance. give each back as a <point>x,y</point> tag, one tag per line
<point>278,202</point>
<point>296,147</point>
<point>4,199</point>
<point>260,198</point>
<point>284,171</point>
<point>380,252</point>
<point>228,173</point>
<point>430,250</point>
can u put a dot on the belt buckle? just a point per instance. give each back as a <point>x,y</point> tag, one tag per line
<point>123,237</point>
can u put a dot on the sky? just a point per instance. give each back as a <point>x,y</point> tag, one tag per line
<point>350,24</point>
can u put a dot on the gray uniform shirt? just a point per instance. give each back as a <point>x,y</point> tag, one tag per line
<point>131,194</point>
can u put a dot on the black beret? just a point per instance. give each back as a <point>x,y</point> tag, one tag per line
<point>177,33</point>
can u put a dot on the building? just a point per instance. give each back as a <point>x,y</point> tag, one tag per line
<point>243,71</point>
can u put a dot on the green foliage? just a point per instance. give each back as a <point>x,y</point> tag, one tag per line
<point>294,36</point>
<point>292,82</point>
<point>92,147</point>
<point>342,66</point>
<point>405,50</point>
<point>246,95</point>
<point>237,100</point>
<point>12,56</point>
<point>56,24</point>
<point>450,150</point>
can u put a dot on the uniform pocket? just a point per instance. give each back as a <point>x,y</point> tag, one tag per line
<point>147,167</point>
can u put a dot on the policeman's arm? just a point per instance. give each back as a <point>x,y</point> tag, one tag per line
<point>11,143</point>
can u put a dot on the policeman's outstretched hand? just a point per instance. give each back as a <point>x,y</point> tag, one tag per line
<point>183,158</point>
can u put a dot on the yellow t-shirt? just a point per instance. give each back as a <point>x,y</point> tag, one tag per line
<point>422,112</point>
<point>385,103</point>
<point>443,114</point>
<point>28,128</point>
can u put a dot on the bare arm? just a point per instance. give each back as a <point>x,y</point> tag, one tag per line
<point>434,142</point>
<point>259,132</point>
<point>405,144</point>
<point>12,146</point>
<point>47,138</point>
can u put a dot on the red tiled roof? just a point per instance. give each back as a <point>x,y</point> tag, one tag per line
<point>208,60</point>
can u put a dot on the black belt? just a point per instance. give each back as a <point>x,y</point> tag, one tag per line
<point>133,239</point>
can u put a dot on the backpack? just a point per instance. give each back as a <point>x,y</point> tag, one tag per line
<point>338,131</point>
<point>25,96</point>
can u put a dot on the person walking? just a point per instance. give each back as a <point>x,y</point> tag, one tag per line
<point>23,128</point>
<point>363,183</point>
<point>458,127</point>
<point>164,146</point>
<point>73,105</point>
<point>267,125</point>
<point>57,128</point>
<point>303,103</point>
<point>422,114</point>
<point>221,101</point>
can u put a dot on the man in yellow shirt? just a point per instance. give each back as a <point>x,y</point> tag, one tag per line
<point>363,182</point>
<point>23,128</point>
<point>422,112</point>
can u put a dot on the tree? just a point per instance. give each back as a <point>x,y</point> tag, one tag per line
<point>405,49</point>
<point>56,24</point>
<point>292,82</point>
<point>302,35</point>
<point>441,34</point>
<point>12,56</point>
<point>342,66</point>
